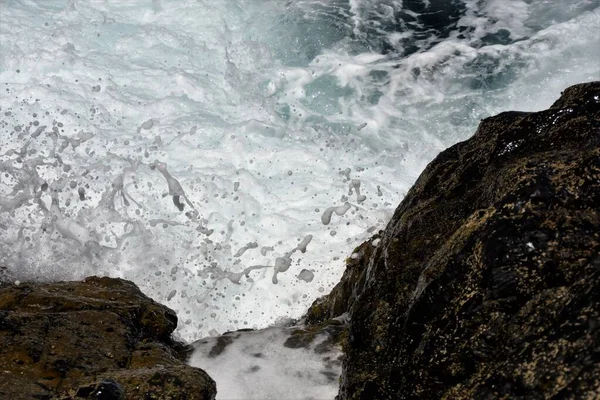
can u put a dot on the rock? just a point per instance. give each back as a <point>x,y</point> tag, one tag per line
<point>4,278</point>
<point>100,338</point>
<point>343,295</point>
<point>486,282</point>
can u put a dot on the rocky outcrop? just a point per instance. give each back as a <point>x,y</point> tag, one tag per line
<point>486,282</point>
<point>100,338</point>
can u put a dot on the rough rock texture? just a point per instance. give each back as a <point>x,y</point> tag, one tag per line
<point>100,338</point>
<point>486,282</point>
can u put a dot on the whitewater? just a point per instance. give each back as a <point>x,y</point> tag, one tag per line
<point>227,156</point>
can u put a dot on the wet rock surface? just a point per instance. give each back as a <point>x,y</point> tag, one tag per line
<point>97,339</point>
<point>486,282</point>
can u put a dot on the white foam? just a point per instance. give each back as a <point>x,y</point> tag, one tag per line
<point>258,365</point>
<point>339,210</point>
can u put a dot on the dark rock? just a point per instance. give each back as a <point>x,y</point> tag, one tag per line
<point>343,295</point>
<point>220,345</point>
<point>486,282</point>
<point>335,331</point>
<point>96,339</point>
<point>109,390</point>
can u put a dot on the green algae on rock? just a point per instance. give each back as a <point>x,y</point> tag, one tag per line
<point>71,340</point>
<point>486,282</point>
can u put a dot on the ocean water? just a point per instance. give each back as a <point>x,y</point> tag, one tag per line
<point>228,155</point>
<point>271,363</point>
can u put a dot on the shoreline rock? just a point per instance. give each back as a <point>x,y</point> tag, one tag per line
<point>100,338</point>
<point>486,282</point>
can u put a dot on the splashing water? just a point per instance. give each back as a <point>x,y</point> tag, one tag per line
<point>227,156</point>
